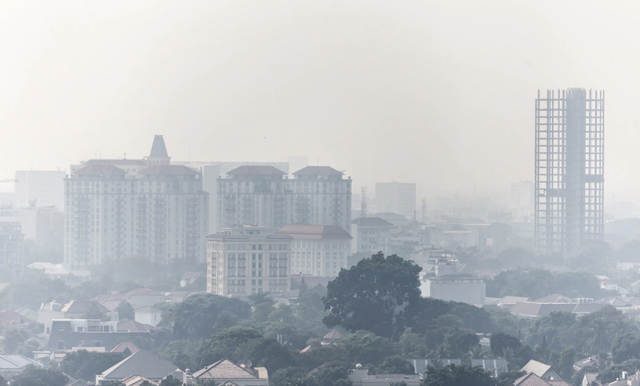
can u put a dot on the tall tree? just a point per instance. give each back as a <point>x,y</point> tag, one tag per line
<point>200,316</point>
<point>35,376</point>
<point>374,295</point>
<point>453,375</point>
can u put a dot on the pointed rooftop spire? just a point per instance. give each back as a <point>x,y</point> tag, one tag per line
<point>158,149</point>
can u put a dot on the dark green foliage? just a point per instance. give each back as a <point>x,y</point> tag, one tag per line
<point>12,339</point>
<point>501,341</point>
<point>170,381</point>
<point>458,343</point>
<point>474,318</point>
<point>365,347</point>
<point>566,361</point>
<point>200,316</point>
<point>395,365</point>
<point>291,334</point>
<point>323,354</point>
<point>453,375</point>
<point>125,311</point>
<point>426,312</point>
<point>86,365</point>
<point>613,372</point>
<point>35,376</point>
<point>330,374</point>
<point>287,376</point>
<point>2,381</point>
<point>626,346</point>
<point>225,343</point>
<point>373,296</point>
<point>270,354</point>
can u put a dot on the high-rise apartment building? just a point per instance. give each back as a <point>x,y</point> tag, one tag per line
<point>119,209</point>
<point>396,197</point>
<point>246,260</point>
<point>569,170</point>
<point>11,246</point>
<point>522,200</point>
<point>263,196</point>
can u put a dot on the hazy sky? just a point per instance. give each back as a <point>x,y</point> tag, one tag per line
<point>436,92</point>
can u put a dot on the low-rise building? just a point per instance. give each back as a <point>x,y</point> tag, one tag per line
<point>142,363</point>
<point>14,364</point>
<point>148,315</point>
<point>226,372</point>
<point>318,250</point>
<point>361,377</point>
<point>370,235</point>
<point>245,260</point>
<point>66,334</point>
<point>449,285</point>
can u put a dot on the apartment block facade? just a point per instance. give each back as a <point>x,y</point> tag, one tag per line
<point>247,260</point>
<point>119,210</point>
<point>263,196</point>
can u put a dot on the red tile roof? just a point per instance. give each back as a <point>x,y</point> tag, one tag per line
<point>318,171</point>
<point>255,170</point>
<point>315,232</point>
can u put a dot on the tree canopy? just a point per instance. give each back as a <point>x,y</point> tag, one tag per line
<point>373,295</point>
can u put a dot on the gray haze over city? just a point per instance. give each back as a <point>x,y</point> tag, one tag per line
<point>319,193</point>
<point>438,93</point>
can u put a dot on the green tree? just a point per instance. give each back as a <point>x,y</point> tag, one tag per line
<point>459,343</point>
<point>200,316</point>
<point>500,341</point>
<point>125,311</point>
<point>373,295</point>
<point>332,373</point>
<point>225,343</point>
<point>367,348</point>
<point>565,364</point>
<point>35,376</point>
<point>453,375</point>
<point>170,381</point>
<point>12,339</point>
<point>395,364</point>
<point>287,376</point>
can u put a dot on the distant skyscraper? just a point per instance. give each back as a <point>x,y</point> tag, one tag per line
<point>522,200</point>
<point>262,196</point>
<point>396,197</point>
<point>569,170</point>
<point>119,209</point>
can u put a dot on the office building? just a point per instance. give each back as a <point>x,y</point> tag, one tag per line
<point>11,246</point>
<point>318,250</point>
<point>371,235</point>
<point>246,260</point>
<point>569,170</point>
<point>119,209</point>
<point>522,200</point>
<point>396,197</point>
<point>262,195</point>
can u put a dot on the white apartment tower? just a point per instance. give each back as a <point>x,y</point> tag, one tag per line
<point>119,209</point>
<point>263,196</point>
<point>246,260</point>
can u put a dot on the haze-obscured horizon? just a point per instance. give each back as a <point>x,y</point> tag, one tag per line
<point>437,93</point>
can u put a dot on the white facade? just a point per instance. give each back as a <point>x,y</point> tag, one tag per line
<point>458,288</point>
<point>148,315</point>
<point>370,235</point>
<point>396,197</point>
<point>318,250</point>
<point>157,212</point>
<point>247,260</point>
<point>522,200</point>
<point>261,195</point>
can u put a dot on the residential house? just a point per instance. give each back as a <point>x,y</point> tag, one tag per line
<point>127,345</point>
<point>133,326</point>
<point>627,380</point>
<point>142,363</point>
<point>531,379</point>
<point>137,380</point>
<point>540,369</point>
<point>224,371</point>
<point>65,334</point>
<point>589,379</point>
<point>76,309</point>
<point>15,364</point>
<point>13,319</point>
<point>554,298</point>
<point>148,315</point>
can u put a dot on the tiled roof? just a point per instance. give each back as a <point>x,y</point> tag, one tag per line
<point>147,310</point>
<point>122,346</point>
<point>315,232</point>
<point>420,365</point>
<point>372,222</point>
<point>318,171</point>
<point>538,368</point>
<point>555,298</point>
<point>224,369</point>
<point>133,326</point>
<point>256,170</point>
<point>142,363</point>
<point>158,148</point>
<point>9,362</point>
<point>168,170</point>
<point>100,169</point>
<point>81,306</point>
<point>136,380</point>
<point>541,309</point>
<point>333,334</point>
<point>530,380</point>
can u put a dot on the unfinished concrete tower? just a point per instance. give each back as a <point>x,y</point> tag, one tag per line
<point>569,186</point>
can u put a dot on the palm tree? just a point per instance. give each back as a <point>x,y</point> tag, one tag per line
<point>476,352</point>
